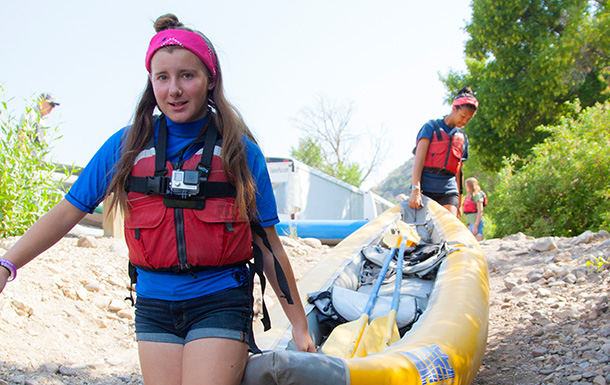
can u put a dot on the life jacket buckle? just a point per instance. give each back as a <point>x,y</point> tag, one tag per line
<point>156,185</point>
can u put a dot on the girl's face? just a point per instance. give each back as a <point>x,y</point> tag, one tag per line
<point>462,116</point>
<point>180,84</point>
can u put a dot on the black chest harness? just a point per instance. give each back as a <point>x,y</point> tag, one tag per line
<point>184,188</point>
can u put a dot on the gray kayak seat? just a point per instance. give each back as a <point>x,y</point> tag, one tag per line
<point>290,367</point>
<point>420,218</point>
<point>418,288</point>
<point>352,302</point>
<point>350,305</point>
<point>415,287</point>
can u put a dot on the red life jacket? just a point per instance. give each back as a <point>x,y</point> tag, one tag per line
<point>445,152</point>
<point>168,232</point>
<point>471,207</point>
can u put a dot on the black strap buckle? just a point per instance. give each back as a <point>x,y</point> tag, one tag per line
<point>156,185</point>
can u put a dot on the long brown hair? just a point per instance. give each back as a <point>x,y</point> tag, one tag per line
<point>228,120</point>
<point>473,183</point>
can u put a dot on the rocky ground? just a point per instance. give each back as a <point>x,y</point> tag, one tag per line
<point>549,320</point>
<point>64,320</point>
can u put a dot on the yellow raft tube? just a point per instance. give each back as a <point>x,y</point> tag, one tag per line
<point>445,345</point>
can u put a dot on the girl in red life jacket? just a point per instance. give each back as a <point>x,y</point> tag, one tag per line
<point>442,146</point>
<point>474,203</point>
<point>194,308</point>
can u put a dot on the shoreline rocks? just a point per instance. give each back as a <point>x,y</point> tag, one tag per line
<point>549,308</point>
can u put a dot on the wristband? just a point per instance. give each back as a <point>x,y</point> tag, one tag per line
<point>414,188</point>
<point>8,265</point>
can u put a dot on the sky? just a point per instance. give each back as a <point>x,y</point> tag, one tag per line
<point>277,57</point>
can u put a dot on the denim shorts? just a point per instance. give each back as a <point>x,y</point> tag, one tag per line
<point>480,228</point>
<point>227,314</point>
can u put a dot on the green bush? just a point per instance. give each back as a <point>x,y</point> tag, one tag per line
<point>563,189</point>
<point>29,185</point>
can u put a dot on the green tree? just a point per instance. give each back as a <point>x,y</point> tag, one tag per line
<point>308,152</point>
<point>29,185</point>
<point>563,189</point>
<point>329,140</point>
<point>525,59</point>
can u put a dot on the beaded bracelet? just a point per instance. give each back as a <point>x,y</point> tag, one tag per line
<point>8,265</point>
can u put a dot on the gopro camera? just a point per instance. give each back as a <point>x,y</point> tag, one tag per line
<point>185,182</point>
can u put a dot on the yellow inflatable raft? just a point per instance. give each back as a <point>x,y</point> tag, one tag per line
<point>444,345</point>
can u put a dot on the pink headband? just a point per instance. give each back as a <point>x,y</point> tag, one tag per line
<point>466,100</point>
<point>192,41</point>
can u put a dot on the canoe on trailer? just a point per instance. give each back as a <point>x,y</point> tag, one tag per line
<point>446,340</point>
<point>329,231</point>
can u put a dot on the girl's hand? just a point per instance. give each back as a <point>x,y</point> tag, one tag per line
<point>415,200</point>
<point>303,340</point>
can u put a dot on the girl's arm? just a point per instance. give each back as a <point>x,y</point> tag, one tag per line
<point>460,182</point>
<point>415,199</point>
<point>49,229</point>
<point>294,312</point>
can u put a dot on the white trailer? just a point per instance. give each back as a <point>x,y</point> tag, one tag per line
<point>305,193</point>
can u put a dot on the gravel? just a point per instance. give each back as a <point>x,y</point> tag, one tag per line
<point>65,321</point>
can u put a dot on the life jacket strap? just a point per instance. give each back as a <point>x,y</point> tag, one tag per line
<point>257,268</point>
<point>148,184</point>
<point>160,185</point>
<point>279,272</point>
<point>133,278</point>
